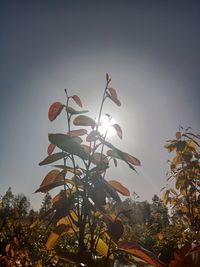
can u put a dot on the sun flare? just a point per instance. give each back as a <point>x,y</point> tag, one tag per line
<point>106,126</point>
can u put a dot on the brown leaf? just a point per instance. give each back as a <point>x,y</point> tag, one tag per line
<point>131,159</point>
<point>114,99</point>
<point>83,120</point>
<point>54,110</point>
<point>87,149</point>
<point>116,230</point>
<point>92,136</point>
<point>77,100</point>
<point>98,157</point>
<point>52,158</point>
<point>75,133</point>
<point>118,130</point>
<point>113,92</point>
<point>119,188</point>
<point>50,149</point>
<point>178,135</point>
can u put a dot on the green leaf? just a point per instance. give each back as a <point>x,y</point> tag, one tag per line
<point>67,144</point>
<point>52,158</point>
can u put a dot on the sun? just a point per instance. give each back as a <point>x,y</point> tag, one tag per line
<point>106,126</point>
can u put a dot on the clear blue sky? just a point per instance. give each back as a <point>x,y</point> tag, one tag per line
<point>151,50</point>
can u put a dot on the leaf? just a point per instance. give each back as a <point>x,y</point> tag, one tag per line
<point>98,157</point>
<point>77,100</point>
<point>92,136</point>
<point>115,152</point>
<point>53,179</point>
<point>67,144</point>
<point>72,111</point>
<point>113,92</point>
<point>140,252</point>
<point>50,149</point>
<point>178,135</point>
<point>75,133</point>
<point>54,110</point>
<point>119,188</point>
<point>69,169</point>
<point>83,120</point>
<point>130,159</point>
<point>118,130</point>
<point>55,235</point>
<point>165,196</point>
<point>108,79</point>
<point>52,158</point>
<point>114,99</point>
<point>116,230</point>
<point>87,149</point>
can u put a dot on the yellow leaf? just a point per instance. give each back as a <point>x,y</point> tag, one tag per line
<point>102,248</point>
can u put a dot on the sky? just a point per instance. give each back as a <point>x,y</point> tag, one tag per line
<point>149,48</point>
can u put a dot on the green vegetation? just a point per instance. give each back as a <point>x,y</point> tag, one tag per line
<point>87,223</point>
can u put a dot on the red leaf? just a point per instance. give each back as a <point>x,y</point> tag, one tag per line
<point>119,188</point>
<point>52,158</point>
<point>118,130</point>
<point>140,252</point>
<point>113,92</point>
<point>54,110</point>
<point>50,149</point>
<point>77,100</point>
<point>83,120</point>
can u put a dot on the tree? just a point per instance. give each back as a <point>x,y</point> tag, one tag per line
<point>46,204</point>
<point>184,194</point>
<point>81,207</point>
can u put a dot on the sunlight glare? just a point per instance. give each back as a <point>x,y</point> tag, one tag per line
<point>106,126</point>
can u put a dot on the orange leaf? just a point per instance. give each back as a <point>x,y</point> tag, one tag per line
<point>83,120</point>
<point>50,149</point>
<point>51,180</point>
<point>54,110</point>
<point>77,100</point>
<point>141,253</point>
<point>113,92</point>
<point>118,130</point>
<point>119,188</point>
